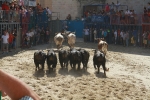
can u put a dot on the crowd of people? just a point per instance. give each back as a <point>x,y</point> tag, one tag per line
<point>118,36</point>
<point>117,16</point>
<point>16,11</point>
<point>33,21</point>
<point>36,36</point>
<point>33,37</point>
<point>8,40</point>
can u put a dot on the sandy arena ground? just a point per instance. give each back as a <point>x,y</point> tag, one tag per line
<point>127,79</point>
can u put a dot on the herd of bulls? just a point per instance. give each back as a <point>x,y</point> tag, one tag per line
<point>72,56</point>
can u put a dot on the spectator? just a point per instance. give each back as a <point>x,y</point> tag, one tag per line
<point>11,37</point>
<point>90,33</point>
<point>42,35</point>
<point>148,6</point>
<point>107,8</point>
<point>121,37</point>
<point>95,34</point>
<point>118,36</point>
<point>47,35</point>
<point>127,16</point>
<point>149,40</point>
<point>133,40</point>
<point>105,35</point>
<point>127,38</point>
<point>149,16</point>
<point>99,35</point>
<point>49,13</point>
<point>117,5</point>
<point>68,17</point>
<point>31,35</point>
<point>112,7</point>
<point>38,35</point>
<point>145,39</point>
<point>122,17</point>
<point>145,17</point>
<point>14,39</point>
<point>135,33</point>
<point>102,33</point>
<point>132,21</point>
<point>27,38</point>
<point>5,41</point>
<point>124,38</point>
<point>138,41</point>
<point>115,37</point>
<point>86,34</point>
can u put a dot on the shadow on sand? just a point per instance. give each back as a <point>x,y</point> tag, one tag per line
<point>39,73</point>
<point>51,72</point>
<point>100,74</point>
<point>73,72</point>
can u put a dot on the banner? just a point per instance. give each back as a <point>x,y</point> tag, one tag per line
<point>32,3</point>
<point>98,18</point>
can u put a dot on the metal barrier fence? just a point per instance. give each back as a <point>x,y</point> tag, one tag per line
<point>9,16</point>
<point>126,19</point>
<point>133,29</point>
<point>115,19</point>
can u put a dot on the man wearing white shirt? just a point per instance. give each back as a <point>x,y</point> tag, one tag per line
<point>28,37</point>
<point>86,34</point>
<point>121,34</point>
<point>115,36</point>
<point>31,34</point>
<point>49,12</point>
<point>127,16</point>
<point>5,42</point>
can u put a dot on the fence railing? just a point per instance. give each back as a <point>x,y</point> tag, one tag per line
<point>115,19</point>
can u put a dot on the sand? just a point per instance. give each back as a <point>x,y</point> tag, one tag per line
<point>128,77</point>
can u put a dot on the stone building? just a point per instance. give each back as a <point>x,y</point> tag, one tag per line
<point>64,7</point>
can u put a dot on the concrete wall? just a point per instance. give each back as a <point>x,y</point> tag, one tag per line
<point>65,7</point>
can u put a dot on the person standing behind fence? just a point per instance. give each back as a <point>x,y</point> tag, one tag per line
<point>124,38</point>
<point>14,39</point>
<point>38,35</point>
<point>118,36</point>
<point>144,39</point>
<point>95,34</point>
<point>115,37</point>
<point>11,37</point>
<point>27,37</point>
<point>149,40</point>
<point>105,35</point>
<point>86,34</point>
<point>5,41</point>
<point>90,33</point>
<point>127,38</point>
<point>102,35</point>
<point>42,35</point>
<point>121,37</point>
<point>49,13</point>
<point>47,35</point>
<point>99,33</point>
<point>31,34</point>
